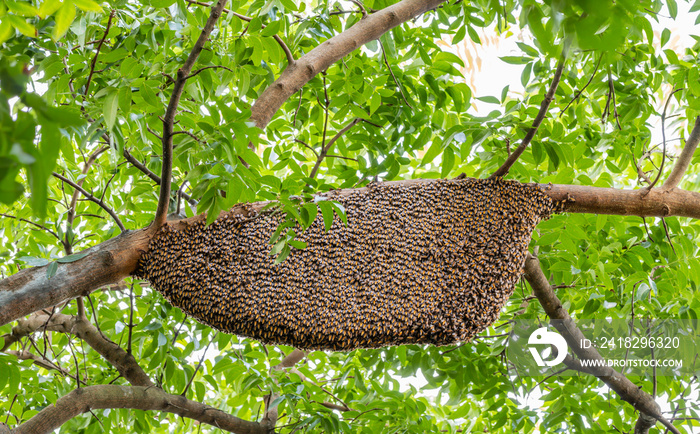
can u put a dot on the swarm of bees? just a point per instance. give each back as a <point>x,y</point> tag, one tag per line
<point>427,263</point>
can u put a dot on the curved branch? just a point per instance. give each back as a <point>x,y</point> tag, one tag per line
<point>134,397</point>
<point>551,304</point>
<point>327,147</point>
<point>97,52</point>
<point>92,198</point>
<point>107,263</point>
<point>169,118</point>
<point>155,178</point>
<point>686,156</point>
<point>332,50</point>
<point>505,167</point>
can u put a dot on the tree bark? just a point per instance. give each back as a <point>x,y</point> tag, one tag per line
<point>106,263</point>
<point>628,391</point>
<point>141,398</point>
<point>305,68</point>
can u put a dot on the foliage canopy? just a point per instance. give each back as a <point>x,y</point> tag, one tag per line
<point>83,91</point>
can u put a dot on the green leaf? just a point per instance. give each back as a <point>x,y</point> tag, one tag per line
<point>6,30</point>
<point>22,26</point>
<point>432,152</point>
<point>21,8</point>
<point>327,213</point>
<point>33,261</point>
<point>110,108</point>
<point>64,18</point>
<point>48,7</point>
<point>516,60</point>
<point>88,5</point>
<point>51,270</point>
<point>283,254</point>
<point>272,29</point>
<point>448,161</point>
<point>672,8</point>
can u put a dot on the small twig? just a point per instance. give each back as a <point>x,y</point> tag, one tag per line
<point>330,143</point>
<point>663,141</point>
<point>578,94</point>
<point>361,6</point>
<point>131,317</point>
<point>296,112</point>
<point>307,145</point>
<point>614,102</point>
<point>668,236</point>
<point>37,225</point>
<point>91,198</point>
<point>155,178</point>
<point>97,52</point>
<point>207,67</point>
<point>386,62</point>
<point>201,360</point>
<point>340,156</point>
<point>150,130</point>
<point>191,135</point>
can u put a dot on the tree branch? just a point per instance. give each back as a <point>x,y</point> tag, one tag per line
<point>109,262</point>
<point>503,170</point>
<point>686,156</point>
<point>627,390</point>
<point>106,263</point>
<point>155,178</point>
<point>92,198</point>
<point>37,225</point>
<point>285,48</point>
<point>97,52</point>
<point>133,397</point>
<point>169,118</point>
<point>332,50</point>
<point>124,362</point>
<point>324,151</point>
<point>207,67</point>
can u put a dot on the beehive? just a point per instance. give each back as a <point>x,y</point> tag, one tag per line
<point>426,263</point>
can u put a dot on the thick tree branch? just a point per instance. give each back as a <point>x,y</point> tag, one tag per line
<point>92,198</point>
<point>169,118</point>
<point>686,156</point>
<point>332,50</point>
<point>107,263</point>
<point>505,167</point>
<point>82,400</point>
<point>628,391</point>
